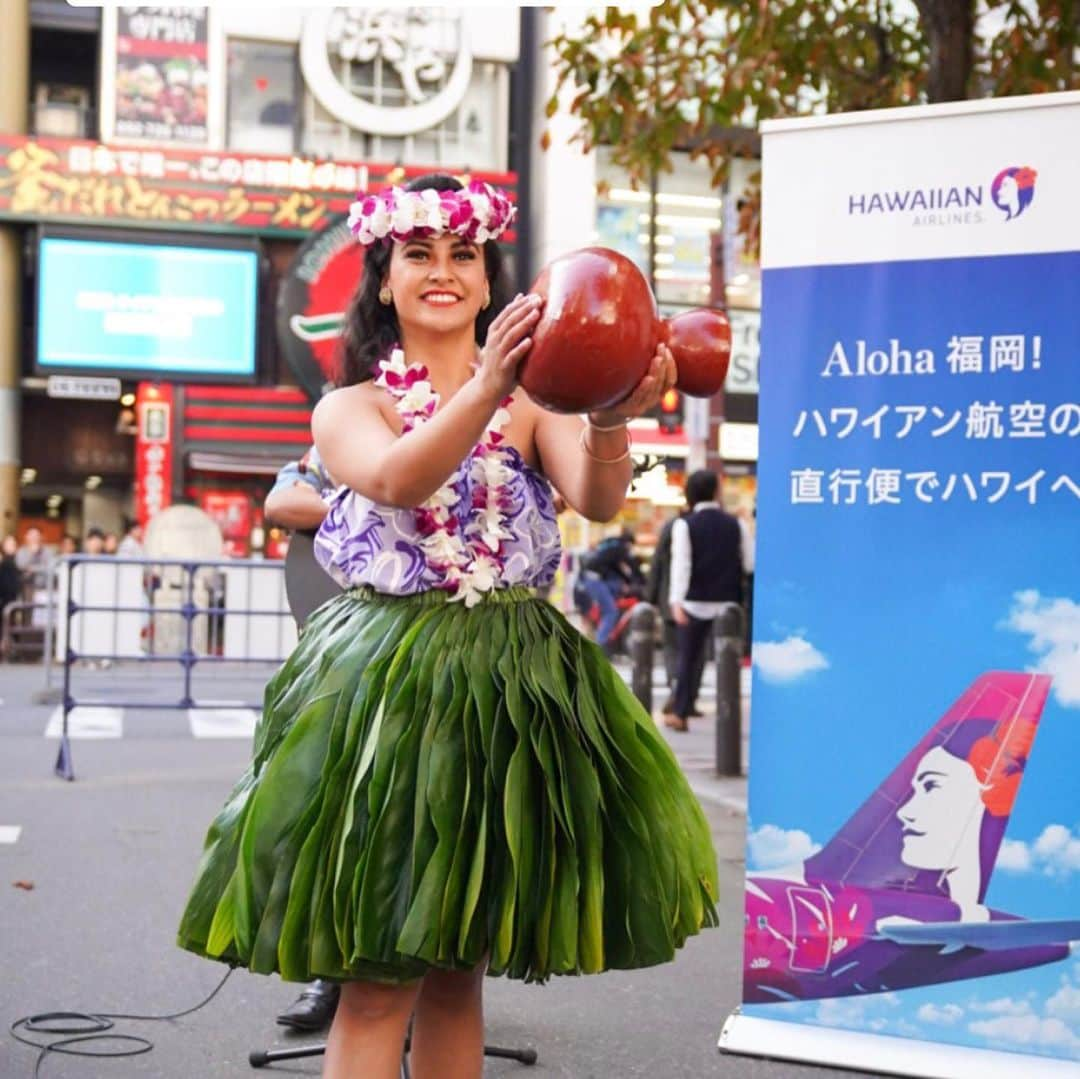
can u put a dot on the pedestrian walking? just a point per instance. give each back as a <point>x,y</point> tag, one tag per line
<point>34,561</point>
<point>449,779</point>
<point>706,571</point>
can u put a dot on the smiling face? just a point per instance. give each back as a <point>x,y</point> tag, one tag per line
<point>438,284</point>
<point>944,807</point>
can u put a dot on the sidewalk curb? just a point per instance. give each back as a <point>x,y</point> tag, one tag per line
<point>705,794</point>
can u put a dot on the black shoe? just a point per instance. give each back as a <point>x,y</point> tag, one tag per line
<point>313,1009</point>
<point>695,714</point>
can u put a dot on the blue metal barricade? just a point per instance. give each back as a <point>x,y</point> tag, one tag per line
<point>182,612</point>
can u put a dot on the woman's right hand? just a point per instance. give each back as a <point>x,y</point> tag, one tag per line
<point>508,340</point>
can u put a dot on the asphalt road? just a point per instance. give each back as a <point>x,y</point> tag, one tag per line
<point>95,872</point>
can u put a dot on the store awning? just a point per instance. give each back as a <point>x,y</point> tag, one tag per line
<point>243,464</point>
<point>243,430</point>
<point>648,437</point>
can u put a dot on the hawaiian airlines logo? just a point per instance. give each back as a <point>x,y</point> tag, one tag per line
<point>1013,189</point>
<point>956,204</point>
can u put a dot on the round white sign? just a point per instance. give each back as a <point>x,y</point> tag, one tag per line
<point>409,41</point>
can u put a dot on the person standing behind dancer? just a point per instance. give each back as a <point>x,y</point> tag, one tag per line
<point>706,572</point>
<point>298,501</point>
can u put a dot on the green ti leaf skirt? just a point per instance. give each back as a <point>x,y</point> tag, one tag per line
<point>436,786</point>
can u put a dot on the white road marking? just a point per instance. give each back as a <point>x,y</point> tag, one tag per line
<point>87,721</point>
<point>9,833</point>
<point>222,722</point>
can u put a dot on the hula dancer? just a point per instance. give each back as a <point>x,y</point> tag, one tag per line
<point>448,779</point>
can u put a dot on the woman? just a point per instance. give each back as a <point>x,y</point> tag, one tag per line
<point>962,792</point>
<point>448,779</point>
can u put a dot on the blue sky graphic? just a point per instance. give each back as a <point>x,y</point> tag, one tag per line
<point>901,607</point>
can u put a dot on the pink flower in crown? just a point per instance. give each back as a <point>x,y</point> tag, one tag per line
<point>458,210</point>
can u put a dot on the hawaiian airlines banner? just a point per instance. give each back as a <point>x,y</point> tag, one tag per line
<point>913,847</point>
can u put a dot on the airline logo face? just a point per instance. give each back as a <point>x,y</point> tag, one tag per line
<point>1011,191</point>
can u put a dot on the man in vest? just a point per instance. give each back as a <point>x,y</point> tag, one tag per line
<point>706,572</point>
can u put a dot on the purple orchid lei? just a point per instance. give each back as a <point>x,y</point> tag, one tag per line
<point>464,548</point>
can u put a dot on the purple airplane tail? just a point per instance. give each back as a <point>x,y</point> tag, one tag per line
<point>991,727</point>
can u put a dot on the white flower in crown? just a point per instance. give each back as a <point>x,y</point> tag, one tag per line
<point>481,206</point>
<point>433,211</point>
<point>403,216</point>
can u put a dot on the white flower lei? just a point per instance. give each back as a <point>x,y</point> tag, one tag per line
<point>468,553</point>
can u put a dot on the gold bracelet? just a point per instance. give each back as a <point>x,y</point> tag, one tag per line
<point>613,427</point>
<point>605,460</point>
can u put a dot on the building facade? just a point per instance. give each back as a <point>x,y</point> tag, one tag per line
<point>173,185</point>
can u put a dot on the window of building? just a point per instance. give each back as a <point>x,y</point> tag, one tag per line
<point>263,92</point>
<point>63,78</point>
<point>473,136</point>
<point>686,210</point>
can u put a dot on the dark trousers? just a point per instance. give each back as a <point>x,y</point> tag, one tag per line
<point>671,665</point>
<point>692,639</point>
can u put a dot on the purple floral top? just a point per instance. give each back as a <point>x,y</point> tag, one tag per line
<point>363,543</point>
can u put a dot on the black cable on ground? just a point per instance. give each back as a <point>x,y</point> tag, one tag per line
<point>92,1027</point>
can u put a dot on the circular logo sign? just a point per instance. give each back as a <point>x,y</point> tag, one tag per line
<point>405,49</point>
<point>312,301</point>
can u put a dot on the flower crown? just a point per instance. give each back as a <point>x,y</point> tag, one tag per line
<point>479,212</point>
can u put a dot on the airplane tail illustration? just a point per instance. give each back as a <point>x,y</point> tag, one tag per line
<point>894,840</point>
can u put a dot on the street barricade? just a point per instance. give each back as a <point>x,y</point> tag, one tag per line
<point>164,613</point>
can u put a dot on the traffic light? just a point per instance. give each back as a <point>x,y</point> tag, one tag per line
<point>670,412</point>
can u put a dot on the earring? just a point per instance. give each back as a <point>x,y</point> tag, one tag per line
<point>487,302</point>
<point>386,297</point>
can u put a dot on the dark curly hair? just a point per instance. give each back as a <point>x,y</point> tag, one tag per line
<point>371,328</point>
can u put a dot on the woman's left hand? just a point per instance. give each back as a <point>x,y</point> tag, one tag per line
<point>659,378</point>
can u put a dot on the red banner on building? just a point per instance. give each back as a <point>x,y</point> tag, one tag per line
<point>75,180</point>
<point>153,450</point>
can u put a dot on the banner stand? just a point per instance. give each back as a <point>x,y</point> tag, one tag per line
<point>912,896</point>
<point>747,1035</point>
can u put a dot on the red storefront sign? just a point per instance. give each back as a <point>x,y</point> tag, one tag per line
<point>75,180</point>
<point>311,304</point>
<point>153,450</point>
<point>233,512</point>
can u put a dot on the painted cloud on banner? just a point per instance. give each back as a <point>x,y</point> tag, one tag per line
<point>1054,627</point>
<point>787,660</point>
<point>770,847</point>
<point>1056,853</point>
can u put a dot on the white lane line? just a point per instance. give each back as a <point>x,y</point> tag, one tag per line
<point>88,721</point>
<point>9,833</point>
<point>222,722</point>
